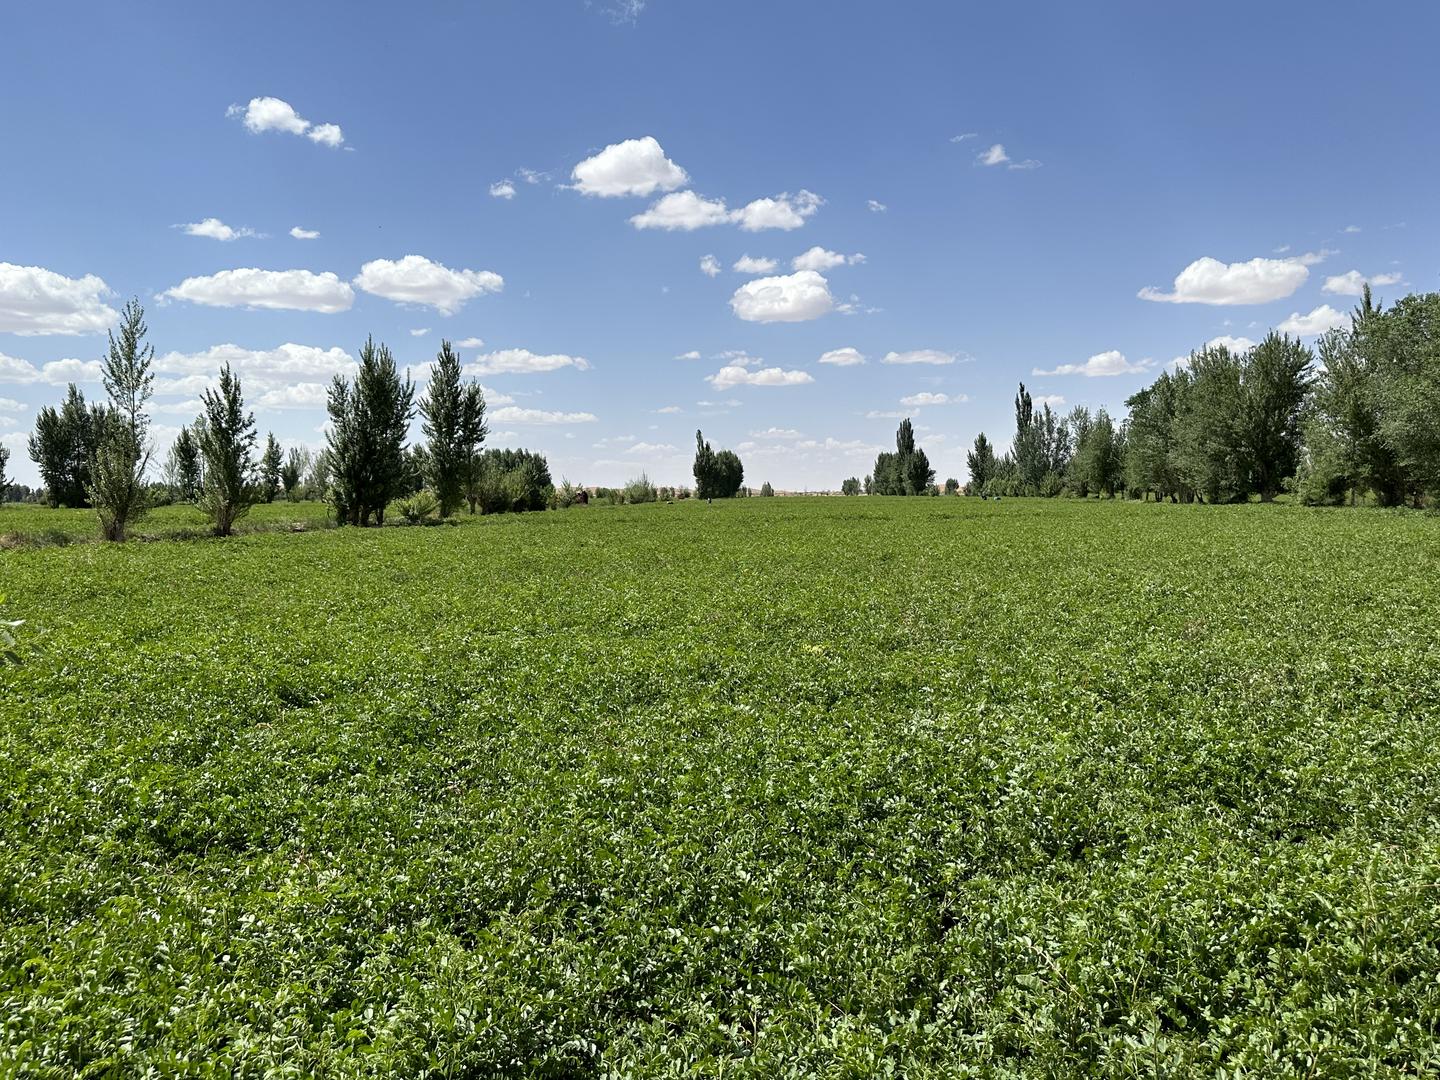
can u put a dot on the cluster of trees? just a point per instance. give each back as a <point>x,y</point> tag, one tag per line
<point>718,475</point>
<point>96,455</point>
<point>1079,452</point>
<point>907,471</point>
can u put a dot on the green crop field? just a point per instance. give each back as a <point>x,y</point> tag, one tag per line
<point>774,787</point>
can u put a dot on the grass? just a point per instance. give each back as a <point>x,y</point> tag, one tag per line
<point>32,525</point>
<point>780,787</point>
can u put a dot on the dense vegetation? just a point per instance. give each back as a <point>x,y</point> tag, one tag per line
<point>773,787</point>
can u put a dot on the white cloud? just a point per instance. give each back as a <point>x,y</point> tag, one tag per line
<point>1352,228</point>
<point>502,189</point>
<point>748,264</point>
<point>523,362</point>
<point>496,397</point>
<point>1111,362</point>
<point>668,409</point>
<point>304,234</point>
<point>326,134</point>
<point>416,280</point>
<point>683,211</point>
<point>846,357</point>
<point>967,135</point>
<point>305,395</point>
<point>284,364</point>
<point>734,375</point>
<point>776,433</point>
<point>1055,401</point>
<point>36,301</point>
<point>686,211</point>
<point>818,258</point>
<point>886,414</point>
<point>59,372</point>
<point>918,356</point>
<point>1258,281</point>
<point>996,155</point>
<point>693,354</point>
<point>1227,341</point>
<point>876,206</point>
<point>214,229</point>
<point>274,290</point>
<point>420,331</point>
<point>1352,282</point>
<point>189,407</point>
<point>1318,321</point>
<point>795,297</point>
<point>513,414</point>
<point>632,167</point>
<point>532,176</point>
<point>709,265</point>
<point>272,114</point>
<point>927,398</point>
<point>781,212</point>
<point>10,405</point>
<point>470,343</point>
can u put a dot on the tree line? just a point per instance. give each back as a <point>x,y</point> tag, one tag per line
<point>96,454</point>
<point>1356,418</point>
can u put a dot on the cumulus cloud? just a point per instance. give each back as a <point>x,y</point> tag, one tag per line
<point>631,167</point>
<point>1318,321</point>
<point>55,373</point>
<point>776,433</point>
<point>668,409</point>
<point>35,301</point>
<point>470,343</point>
<point>416,280</point>
<point>683,211</point>
<point>523,362</point>
<point>1258,281</point>
<point>502,189</point>
<point>1227,341</point>
<point>514,414</point>
<point>305,395</point>
<point>846,357</point>
<point>709,265</point>
<point>10,405</point>
<point>1352,282</point>
<point>996,155</point>
<point>274,290</point>
<point>285,363</point>
<point>876,206</point>
<point>272,114</point>
<point>923,398</point>
<point>693,354</point>
<point>748,264</point>
<point>735,375</point>
<point>214,229</point>
<point>420,331</point>
<point>686,211</point>
<point>918,356</point>
<point>819,259</point>
<point>795,297</point>
<point>1111,362</point>
<point>1055,401</point>
<point>304,234</point>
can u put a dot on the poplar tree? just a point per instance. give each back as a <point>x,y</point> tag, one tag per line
<point>270,462</point>
<point>453,419</point>
<point>369,419</point>
<point>227,441</point>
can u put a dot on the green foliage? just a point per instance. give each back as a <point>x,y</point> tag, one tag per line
<point>292,471</point>
<point>907,471</point>
<point>851,486</point>
<point>182,466</point>
<point>421,508</point>
<point>640,490</point>
<point>928,788</point>
<point>117,476</point>
<point>4,461</point>
<point>512,481</point>
<point>227,442</point>
<point>717,475</point>
<point>766,490</point>
<point>980,463</point>
<point>126,373</point>
<point>62,445</point>
<point>369,419</point>
<point>9,638</point>
<point>453,419</point>
<point>272,459</point>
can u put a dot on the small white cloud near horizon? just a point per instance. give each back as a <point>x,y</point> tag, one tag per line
<point>415,279</point>
<point>797,297</point>
<point>304,234</point>
<point>523,362</point>
<point>1352,282</point>
<point>1101,365</point>
<point>36,302</point>
<point>876,206</point>
<point>926,397</point>
<point>470,343</point>
<point>709,265</point>
<point>1318,321</point>
<point>270,290</point>
<point>919,356</point>
<point>749,264</point>
<point>693,354</point>
<point>420,331</point>
<point>632,167</point>
<point>1258,281</point>
<point>843,357</point>
<point>685,211</point>
<point>514,414</point>
<point>734,375</point>
<point>264,114</point>
<point>502,189</point>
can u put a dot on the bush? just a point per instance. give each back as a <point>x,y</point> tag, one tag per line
<point>422,508</point>
<point>640,490</point>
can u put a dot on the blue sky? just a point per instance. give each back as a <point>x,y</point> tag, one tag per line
<point>1039,166</point>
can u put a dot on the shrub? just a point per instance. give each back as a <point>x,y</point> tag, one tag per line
<point>640,490</point>
<point>422,508</point>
